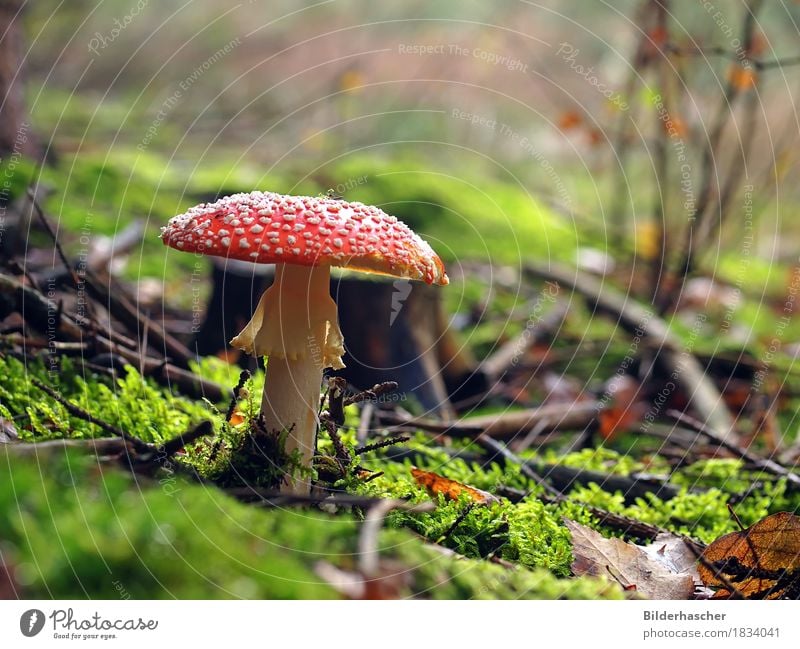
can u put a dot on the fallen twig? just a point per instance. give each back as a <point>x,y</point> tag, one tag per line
<point>373,522</point>
<point>459,519</point>
<point>567,416</point>
<point>500,449</point>
<point>172,446</point>
<point>769,466</point>
<point>79,412</point>
<point>76,282</point>
<point>389,441</point>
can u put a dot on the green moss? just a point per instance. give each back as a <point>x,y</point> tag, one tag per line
<point>73,528</point>
<point>96,511</point>
<point>600,459</point>
<point>131,402</point>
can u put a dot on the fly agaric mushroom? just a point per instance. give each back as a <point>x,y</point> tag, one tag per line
<point>295,323</point>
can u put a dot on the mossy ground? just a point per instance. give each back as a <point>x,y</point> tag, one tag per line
<point>193,541</point>
<point>79,528</point>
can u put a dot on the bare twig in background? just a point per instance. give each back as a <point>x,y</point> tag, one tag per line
<point>706,217</point>
<point>661,198</point>
<point>620,143</point>
<point>703,395</point>
<point>500,361</point>
<point>76,282</point>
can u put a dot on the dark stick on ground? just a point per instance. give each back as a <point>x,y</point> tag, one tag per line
<point>500,449</point>
<point>567,416</point>
<point>459,519</point>
<point>169,448</point>
<point>629,526</point>
<point>137,454</point>
<point>112,296</point>
<point>79,412</point>
<point>389,441</point>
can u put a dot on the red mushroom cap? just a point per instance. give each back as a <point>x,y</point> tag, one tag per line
<point>264,227</point>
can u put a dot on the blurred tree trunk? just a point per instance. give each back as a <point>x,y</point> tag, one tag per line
<point>393,331</point>
<point>15,131</point>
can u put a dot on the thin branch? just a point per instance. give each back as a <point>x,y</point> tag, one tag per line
<point>769,466</point>
<point>76,411</point>
<point>169,448</point>
<point>40,214</point>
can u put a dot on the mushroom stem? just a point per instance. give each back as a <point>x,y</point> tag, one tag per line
<point>290,402</point>
<point>295,324</point>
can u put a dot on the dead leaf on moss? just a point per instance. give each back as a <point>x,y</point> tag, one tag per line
<point>629,564</point>
<point>438,484</point>
<point>761,562</point>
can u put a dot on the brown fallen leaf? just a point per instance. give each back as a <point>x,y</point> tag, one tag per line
<point>761,562</point>
<point>438,484</point>
<point>629,564</point>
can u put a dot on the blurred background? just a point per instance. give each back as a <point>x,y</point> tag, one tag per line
<point>650,143</point>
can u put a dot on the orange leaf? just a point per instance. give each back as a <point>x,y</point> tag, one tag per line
<point>438,484</point>
<point>569,120</point>
<point>658,35</point>
<point>596,137</point>
<point>351,80</point>
<point>625,409</point>
<point>742,78</point>
<point>236,418</point>
<point>762,562</point>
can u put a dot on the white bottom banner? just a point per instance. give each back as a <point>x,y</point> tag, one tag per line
<point>409,624</point>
